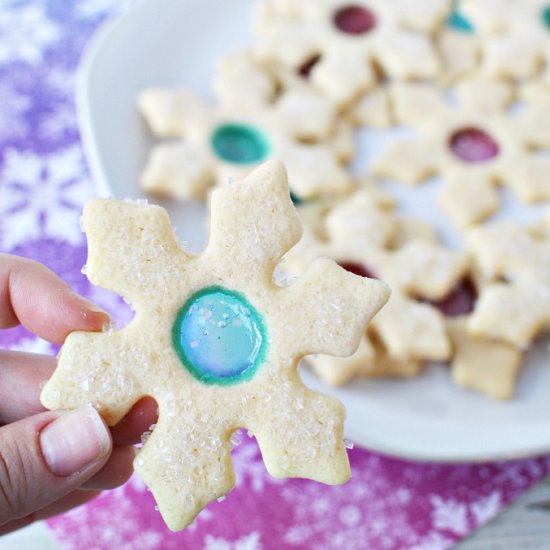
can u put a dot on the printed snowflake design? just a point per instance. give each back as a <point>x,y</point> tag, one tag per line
<point>95,9</point>
<point>249,468</point>
<point>60,123</point>
<point>215,342</point>
<point>515,36</point>
<point>42,194</point>
<point>27,40</point>
<point>12,108</point>
<point>247,542</point>
<point>127,534</point>
<point>218,145</point>
<point>351,517</point>
<point>341,42</point>
<point>473,143</point>
<point>450,515</point>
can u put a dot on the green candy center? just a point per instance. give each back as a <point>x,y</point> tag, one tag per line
<point>240,143</point>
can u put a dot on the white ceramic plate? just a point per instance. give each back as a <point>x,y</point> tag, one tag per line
<point>175,42</point>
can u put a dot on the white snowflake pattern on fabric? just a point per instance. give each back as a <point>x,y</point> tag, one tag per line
<point>92,9</point>
<point>434,541</point>
<point>249,467</point>
<point>60,83</point>
<point>28,39</point>
<point>43,195</point>
<point>487,508</point>
<point>248,542</point>
<point>449,515</point>
<point>125,534</point>
<point>12,108</point>
<point>341,519</point>
<point>59,87</point>
<point>59,122</point>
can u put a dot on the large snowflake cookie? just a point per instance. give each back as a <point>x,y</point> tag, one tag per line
<point>215,342</point>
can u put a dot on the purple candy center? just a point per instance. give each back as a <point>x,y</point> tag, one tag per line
<point>473,145</point>
<point>357,269</point>
<point>460,301</point>
<point>354,19</point>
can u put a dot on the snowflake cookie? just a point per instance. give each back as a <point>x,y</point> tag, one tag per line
<point>242,81</point>
<point>474,143</point>
<point>365,237</point>
<point>482,364</point>
<point>458,45</point>
<point>341,43</point>
<point>514,304</point>
<point>216,144</point>
<point>515,35</point>
<point>215,342</point>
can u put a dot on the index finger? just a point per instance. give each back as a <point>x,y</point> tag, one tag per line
<point>34,296</point>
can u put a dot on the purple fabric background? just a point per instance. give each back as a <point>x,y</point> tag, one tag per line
<point>389,504</point>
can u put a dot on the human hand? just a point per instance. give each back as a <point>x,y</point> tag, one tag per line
<point>51,461</point>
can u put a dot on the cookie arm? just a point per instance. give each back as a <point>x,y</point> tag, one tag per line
<point>327,309</point>
<point>245,237</point>
<point>184,469</point>
<point>126,245</point>
<point>88,372</point>
<point>301,434</point>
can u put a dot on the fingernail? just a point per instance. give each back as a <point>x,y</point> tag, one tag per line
<point>89,305</point>
<point>75,440</point>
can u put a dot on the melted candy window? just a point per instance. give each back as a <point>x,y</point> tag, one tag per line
<point>354,19</point>
<point>219,336</point>
<point>240,143</point>
<point>545,15</point>
<point>357,269</point>
<point>458,22</point>
<point>460,301</point>
<point>473,145</point>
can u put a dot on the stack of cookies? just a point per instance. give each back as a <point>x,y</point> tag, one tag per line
<point>456,98</point>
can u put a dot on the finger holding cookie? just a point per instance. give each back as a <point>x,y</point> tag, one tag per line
<point>52,461</point>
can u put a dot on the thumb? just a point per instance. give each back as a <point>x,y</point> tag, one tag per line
<point>44,457</point>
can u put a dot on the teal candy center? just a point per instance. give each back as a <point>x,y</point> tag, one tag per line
<point>546,16</point>
<point>240,143</point>
<point>219,336</point>
<point>458,22</point>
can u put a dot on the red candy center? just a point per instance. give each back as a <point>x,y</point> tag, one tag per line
<point>473,145</point>
<point>354,19</point>
<point>460,301</point>
<point>357,269</point>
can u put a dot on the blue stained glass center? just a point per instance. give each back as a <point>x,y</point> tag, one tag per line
<point>219,336</point>
<point>240,143</point>
<point>458,22</point>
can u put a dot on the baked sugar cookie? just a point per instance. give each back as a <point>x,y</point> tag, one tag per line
<point>215,342</point>
<point>345,41</point>
<point>216,144</point>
